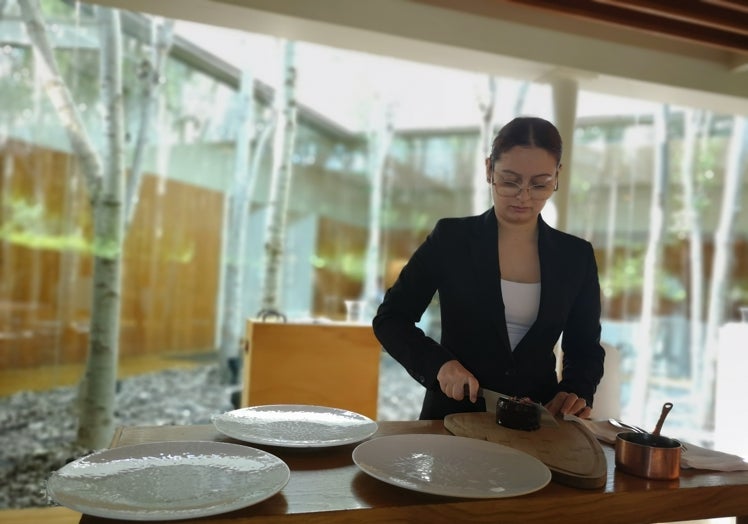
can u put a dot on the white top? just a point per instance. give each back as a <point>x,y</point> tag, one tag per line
<point>521,303</point>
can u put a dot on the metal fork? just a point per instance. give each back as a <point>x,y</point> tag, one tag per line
<point>623,425</point>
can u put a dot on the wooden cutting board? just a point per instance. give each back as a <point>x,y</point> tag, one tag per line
<point>570,451</point>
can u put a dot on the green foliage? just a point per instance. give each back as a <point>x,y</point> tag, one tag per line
<point>46,241</point>
<point>182,254</point>
<point>350,265</point>
<point>627,276</point>
<point>17,86</point>
<point>738,293</point>
<point>106,248</point>
<point>707,163</point>
<point>670,287</point>
<point>80,68</point>
<point>609,133</point>
<point>588,134</point>
<point>57,10</point>
<point>422,221</point>
<point>32,226</point>
<point>29,225</point>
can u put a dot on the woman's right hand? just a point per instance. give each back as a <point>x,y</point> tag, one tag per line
<point>455,381</point>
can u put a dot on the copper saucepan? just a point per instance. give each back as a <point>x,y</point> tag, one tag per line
<point>649,455</point>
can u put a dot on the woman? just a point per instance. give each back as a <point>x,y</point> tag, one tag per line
<point>508,286</point>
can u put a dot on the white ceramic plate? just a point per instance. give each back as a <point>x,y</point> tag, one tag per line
<point>168,480</point>
<point>452,466</point>
<point>295,425</point>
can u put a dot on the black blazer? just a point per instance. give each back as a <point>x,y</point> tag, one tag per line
<point>459,260</point>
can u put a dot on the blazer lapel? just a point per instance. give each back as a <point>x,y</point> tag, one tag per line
<point>485,254</point>
<point>549,281</point>
<point>549,276</point>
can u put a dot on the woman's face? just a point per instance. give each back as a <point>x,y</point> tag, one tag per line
<point>522,180</point>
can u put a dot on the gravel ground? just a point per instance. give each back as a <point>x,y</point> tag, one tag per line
<point>37,429</point>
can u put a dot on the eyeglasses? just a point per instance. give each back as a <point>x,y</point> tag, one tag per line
<point>511,189</point>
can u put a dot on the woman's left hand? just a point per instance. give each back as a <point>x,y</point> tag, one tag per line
<point>565,403</point>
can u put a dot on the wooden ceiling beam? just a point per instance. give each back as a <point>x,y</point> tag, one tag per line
<point>691,11</point>
<point>638,20</point>
<point>740,5</point>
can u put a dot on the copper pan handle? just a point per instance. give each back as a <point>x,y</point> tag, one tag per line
<point>665,410</point>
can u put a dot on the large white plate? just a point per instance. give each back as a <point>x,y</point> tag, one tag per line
<point>452,466</point>
<point>168,480</point>
<point>295,425</point>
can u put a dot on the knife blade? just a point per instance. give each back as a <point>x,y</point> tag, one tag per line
<point>492,397</point>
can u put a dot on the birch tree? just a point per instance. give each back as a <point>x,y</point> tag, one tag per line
<point>723,252</point>
<point>59,95</point>
<point>611,173</point>
<point>152,76</point>
<point>692,123</point>
<point>519,102</point>
<point>96,421</point>
<point>481,194</point>
<point>280,186</point>
<point>105,183</point>
<point>657,210</point>
<point>238,201</point>
<point>379,141</point>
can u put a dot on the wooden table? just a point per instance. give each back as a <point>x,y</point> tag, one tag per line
<point>326,487</point>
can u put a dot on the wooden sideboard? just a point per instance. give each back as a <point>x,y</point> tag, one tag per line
<point>330,364</point>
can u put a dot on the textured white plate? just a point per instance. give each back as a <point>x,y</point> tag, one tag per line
<point>451,466</point>
<point>168,480</point>
<point>295,425</point>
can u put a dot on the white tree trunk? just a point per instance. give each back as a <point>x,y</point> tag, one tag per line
<point>691,124</point>
<point>238,201</point>
<point>96,395</point>
<point>379,144</point>
<point>723,252</point>
<point>280,185</point>
<point>96,424</point>
<point>151,74</point>
<point>645,337</point>
<point>266,129</point>
<point>481,191</point>
<point>105,186</point>
<point>612,171</point>
<point>519,102</point>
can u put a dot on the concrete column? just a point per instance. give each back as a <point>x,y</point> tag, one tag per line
<point>565,89</point>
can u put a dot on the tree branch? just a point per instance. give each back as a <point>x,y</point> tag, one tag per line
<point>152,76</point>
<point>60,96</point>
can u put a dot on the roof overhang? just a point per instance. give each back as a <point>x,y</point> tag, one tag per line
<point>494,36</point>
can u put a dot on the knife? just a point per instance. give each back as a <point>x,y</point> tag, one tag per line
<point>492,397</point>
